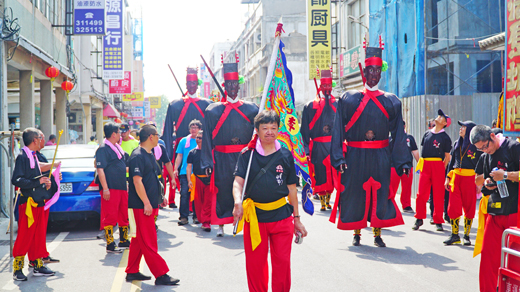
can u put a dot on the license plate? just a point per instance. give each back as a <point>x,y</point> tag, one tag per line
<point>66,188</point>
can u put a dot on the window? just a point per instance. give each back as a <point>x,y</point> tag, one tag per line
<point>489,79</point>
<point>356,31</point>
<point>440,81</point>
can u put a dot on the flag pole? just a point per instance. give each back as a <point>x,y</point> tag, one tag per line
<point>268,79</point>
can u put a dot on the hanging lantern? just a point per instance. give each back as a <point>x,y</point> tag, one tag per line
<point>131,123</point>
<point>52,73</point>
<point>67,86</point>
<point>118,120</point>
<point>137,123</point>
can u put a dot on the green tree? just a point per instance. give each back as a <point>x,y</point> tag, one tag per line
<point>160,116</point>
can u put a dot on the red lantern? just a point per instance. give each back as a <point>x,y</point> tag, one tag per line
<point>67,86</point>
<point>52,72</point>
<point>137,123</point>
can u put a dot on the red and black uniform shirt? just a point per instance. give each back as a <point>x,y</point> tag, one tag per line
<point>272,186</point>
<point>435,145</point>
<point>412,145</point>
<point>26,179</point>
<point>194,159</point>
<point>114,168</point>
<point>143,164</point>
<point>507,158</point>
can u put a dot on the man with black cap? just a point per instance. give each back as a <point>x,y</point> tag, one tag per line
<point>181,111</point>
<point>316,130</point>
<point>364,119</point>
<point>128,143</point>
<point>228,128</point>
<point>436,147</point>
<point>460,182</point>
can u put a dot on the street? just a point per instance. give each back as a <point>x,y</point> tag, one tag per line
<point>325,261</point>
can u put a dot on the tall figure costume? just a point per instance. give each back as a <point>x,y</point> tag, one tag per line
<point>181,112</point>
<point>462,187</point>
<point>364,120</point>
<point>228,128</point>
<point>316,129</point>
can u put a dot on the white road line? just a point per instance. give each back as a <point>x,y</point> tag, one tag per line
<point>50,248</point>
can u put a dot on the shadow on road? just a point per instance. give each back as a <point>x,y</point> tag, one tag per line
<point>406,256</point>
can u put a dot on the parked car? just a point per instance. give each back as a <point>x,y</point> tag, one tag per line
<point>79,194</point>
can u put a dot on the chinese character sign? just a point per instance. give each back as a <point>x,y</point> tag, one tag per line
<point>113,41</point>
<point>155,101</point>
<point>319,39</point>
<point>89,17</point>
<point>136,96</point>
<point>146,106</point>
<point>512,82</point>
<point>351,59</point>
<point>116,86</point>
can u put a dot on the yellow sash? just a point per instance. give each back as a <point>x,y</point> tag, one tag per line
<point>250,216</point>
<point>420,164</point>
<point>193,179</point>
<point>28,211</point>
<point>131,222</point>
<point>481,224</point>
<point>461,172</point>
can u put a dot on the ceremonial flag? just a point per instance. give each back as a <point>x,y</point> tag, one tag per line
<point>278,95</point>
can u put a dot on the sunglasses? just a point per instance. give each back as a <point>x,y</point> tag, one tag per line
<point>485,147</point>
<point>199,138</point>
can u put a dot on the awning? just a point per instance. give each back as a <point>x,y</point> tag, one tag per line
<point>110,111</point>
<point>494,43</point>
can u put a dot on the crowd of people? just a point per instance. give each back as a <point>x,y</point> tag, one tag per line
<point>356,145</point>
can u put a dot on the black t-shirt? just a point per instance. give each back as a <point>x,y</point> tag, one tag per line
<point>114,168</point>
<point>507,157</point>
<point>194,159</point>
<point>143,164</point>
<point>164,156</point>
<point>272,186</point>
<point>435,145</point>
<point>412,146</point>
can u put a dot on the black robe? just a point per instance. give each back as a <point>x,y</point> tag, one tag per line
<point>237,131</point>
<point>368,170</point>
<point>316,142</point>
<point>174,111</point>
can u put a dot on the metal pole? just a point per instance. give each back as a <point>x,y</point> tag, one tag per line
<point>425,52</point>
<point>11,195</point>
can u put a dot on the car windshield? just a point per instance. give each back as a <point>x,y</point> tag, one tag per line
<point>72,157</point>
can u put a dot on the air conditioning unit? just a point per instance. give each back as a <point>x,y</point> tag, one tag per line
<point>258,38</point>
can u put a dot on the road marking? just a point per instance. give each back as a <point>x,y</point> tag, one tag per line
<point>120,273</point>
<point>50,248</point>
<point>136,285</point>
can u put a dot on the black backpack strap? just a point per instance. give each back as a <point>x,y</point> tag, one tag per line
<point>262,171</point>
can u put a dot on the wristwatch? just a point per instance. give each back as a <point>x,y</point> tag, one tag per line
<point>505,175</point>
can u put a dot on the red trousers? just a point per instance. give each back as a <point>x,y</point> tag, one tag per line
<point>276,239</point>
<point>115,210</point>
<point>145,244</point>
<point>432,178</point>
<point>168,178</point>
<point>406,187</point>
<point>45,222</point>
<point>491,246</point>
<point>202,202</point>
<point>31,240</point>
<point>464,196</point>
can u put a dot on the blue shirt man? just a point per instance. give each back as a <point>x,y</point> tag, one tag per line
<point>183,149</point>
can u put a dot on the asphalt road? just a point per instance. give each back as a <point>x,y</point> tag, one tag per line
<point>326,261</point>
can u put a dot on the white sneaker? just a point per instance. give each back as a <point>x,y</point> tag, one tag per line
<point>220,232</point>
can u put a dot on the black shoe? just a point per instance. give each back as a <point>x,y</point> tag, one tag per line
<point>166,280</point>
<point>196,221</point>
<point>454,239</point>
<point>379,242</point>
<point>19,276</point>
<point>329,207</point>
<point>466,240</point>
<point>356,240</point>
<point>431,222</point>
<point>183,221</point>
<point>161,207</point>
<point>418,223</point>
<point>156,228</point>
<point>137,277</point>
<point>446,218</point>
<point>124,244</point>
<point>439,227</point>
<point>316,197</point>
<point>49,260</point>
<point>408,210</point>
<point>173,206</point>
<point>43,271</point>
<point>111,248</point>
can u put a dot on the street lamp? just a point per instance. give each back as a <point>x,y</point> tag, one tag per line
<point>356,20</point>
